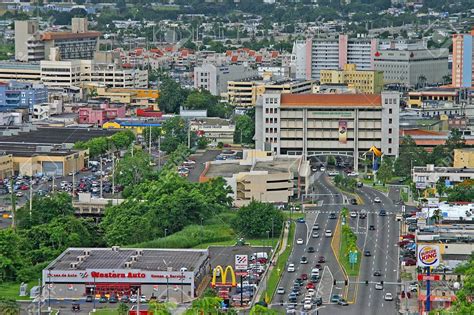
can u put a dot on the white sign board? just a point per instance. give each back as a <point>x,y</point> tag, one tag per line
<point>241,262</point>
<point>428,255</point>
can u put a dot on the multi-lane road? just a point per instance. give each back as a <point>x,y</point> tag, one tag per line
<point>381,241</point>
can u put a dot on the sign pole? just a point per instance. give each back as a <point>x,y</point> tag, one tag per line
<point>241,291</point>
<point>428,291</point>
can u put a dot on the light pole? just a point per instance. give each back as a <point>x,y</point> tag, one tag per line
<point>167,288</point>
<point>268,237</point>
<point>93,296</point>
<point>49,289</point>
<point>273,236</point>
<point>182,295</point>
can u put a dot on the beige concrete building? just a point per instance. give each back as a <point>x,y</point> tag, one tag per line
<point>20,71</point>
<point>363,81</point>
<point>464,158</point>
<point>244,93</point>
<point>6,165</point>
<point>262,177</point>
<point>214,129</point>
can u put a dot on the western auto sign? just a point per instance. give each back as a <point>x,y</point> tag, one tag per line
<point>428,255</point>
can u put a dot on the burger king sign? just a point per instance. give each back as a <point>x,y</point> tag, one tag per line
<point>428,255</point>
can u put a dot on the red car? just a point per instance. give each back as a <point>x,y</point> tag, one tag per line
<point>318,266</point>
<point>409,262</point>
<point>310,285</point>
<point>408,236</point>
<point>403,243</point>
<point>24,187</point>
<point>304,276</point>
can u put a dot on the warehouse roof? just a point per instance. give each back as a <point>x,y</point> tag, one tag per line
<point>115,258</point>
<point>331,100</point>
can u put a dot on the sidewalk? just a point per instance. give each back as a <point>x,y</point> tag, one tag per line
<point>406,305</point>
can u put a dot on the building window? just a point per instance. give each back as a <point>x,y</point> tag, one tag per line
<point>390,130</point>
<point>266,110</point>
<point>266,120</point>
<point>276,110</point>
<point>390,120</point>
<point>389,150</point>
<point>276,120</point>
<point>389,110</point>
<point>389,140</point>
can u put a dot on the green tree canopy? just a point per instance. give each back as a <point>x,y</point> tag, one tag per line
<point>244,129</point>
<point>255,219</point>
<point>172,95</point>
<point>385,171</point>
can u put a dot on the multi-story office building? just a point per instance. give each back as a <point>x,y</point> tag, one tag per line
<point>245,92</point>
<point>20,71</point>
<point>328,124</point>
<point>33,45</point>
<point>14,95</point>
<point>463,54</point>
<point>413,67</point>
<point>214,78</point>
<point>316,54</point>
<point>364,81</point>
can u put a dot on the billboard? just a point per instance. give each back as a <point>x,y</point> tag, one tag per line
<point>428,255</point>
<point>342,131</point>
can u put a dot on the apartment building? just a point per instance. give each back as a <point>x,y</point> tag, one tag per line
<point>14,95</point>
<point>98,115</point>
<point>214,78</point>
<point>316,54</point>
<point>33,45</point>
<point>139,98</point>
<point>427,176</point>
<point>413,67</point>
<point>363,81</point>
<point>244,93</point>
<point>328,124</point>
<point>462,71</point>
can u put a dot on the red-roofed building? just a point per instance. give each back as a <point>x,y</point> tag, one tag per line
<point>318,124</point>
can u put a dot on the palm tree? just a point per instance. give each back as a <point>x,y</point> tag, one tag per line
<point>161,308</point>
<point>122,309</point>
<point>205,305</point>
<point>262,310</point>
<point>9,307</point>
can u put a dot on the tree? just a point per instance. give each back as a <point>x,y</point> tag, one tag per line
<point>202,142</point>
<point>205,305</point>
<point>11,258</point>
<point>385,171</point>
<point>175,132</point>
<point>123,309</point>
<point>172,95</point>
<point>9,307</point>
<point>161,308</point>
<point>244,129</point>
<point>410,155</point>
<point>133,169</point>
<point>204,100</point>
<point>258,309</point>
<point>255,219</point>
<point>455,140</point>
<point>440,187</point>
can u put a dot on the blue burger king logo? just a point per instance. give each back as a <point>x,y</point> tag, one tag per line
<point>428,255</point>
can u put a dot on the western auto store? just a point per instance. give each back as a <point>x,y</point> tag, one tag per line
<point>166,285</point>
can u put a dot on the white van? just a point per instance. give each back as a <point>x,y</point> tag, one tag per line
<point>315,272</point>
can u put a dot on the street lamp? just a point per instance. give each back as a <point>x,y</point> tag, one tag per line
<point>93,296</point>
<point>167,288</point>
<point>49,289</point>
<point>182,279</point>
<point>268,237</point>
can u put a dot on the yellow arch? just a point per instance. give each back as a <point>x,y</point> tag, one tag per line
<point>223,275</point>
<point>375,151</point>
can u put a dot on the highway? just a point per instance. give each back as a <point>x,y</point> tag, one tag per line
<point>381,242</point>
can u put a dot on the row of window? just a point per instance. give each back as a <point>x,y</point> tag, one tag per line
<point>271,120</point>
<point>271,110</point>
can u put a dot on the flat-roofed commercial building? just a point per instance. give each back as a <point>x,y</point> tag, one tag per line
<point>328,124</point>
<point>245,92</point>
<point>363,81</point>
<point>20,71</point>
<point>427,176</point>
<point>167,274</point>
<point>464,158</point>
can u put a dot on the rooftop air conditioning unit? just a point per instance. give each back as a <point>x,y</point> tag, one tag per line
<point>115,248</point>
<point>73,265</point>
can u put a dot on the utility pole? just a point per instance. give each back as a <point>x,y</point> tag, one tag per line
<point>73,182</point>
<point>113,176</point>
<point>31,198</point>
<point>101,177</point>
<point>149,142</point>
<point>159,151</point>
<point>13,200</point>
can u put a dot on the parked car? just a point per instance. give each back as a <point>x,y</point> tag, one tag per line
<point>103,299</point>
<point>75,307</point>
<point>89,298</point>
<point>281,290</point>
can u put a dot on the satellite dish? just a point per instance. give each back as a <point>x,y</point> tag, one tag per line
<point>456,285</point>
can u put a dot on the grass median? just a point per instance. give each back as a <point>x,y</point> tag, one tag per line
<point>348,244</point>
<point>274,277</point>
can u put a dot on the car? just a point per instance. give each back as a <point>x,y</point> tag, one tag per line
<point>292,297</point>
<point>353,214</point>
<point>409,262</point>
<point>310,286</point>
<point>371,227</point>
<point>307,305</point>
<point>103,299</point>
<point>310,250</point>
<point>342,302</point>
<point>124,299</point>
<point>413,287</point>
<point>332,215</point>
<point>299,282</point>
<point>379,286</point>
<point>319,266</point>
<point>382,213</point>
<point>113,299</point>
<point>134,298</point>
<point>299,241</point>
<point>353,202</point>
<point>75,307</point>
<point>360,184</point>
<point>89,298</point>
<point>318,300</point>
<point>301,220</point>
<point>314,169</point>
<point>291,268</point>
<point>281,290</point>
<point>377,273</point>
<point>367,253</point>
<point>321,259</point>
<point>314,278</point>
<point>335,298</point>
<point>314,272</point>
<point>323,169</point>
<point>315,235</point>
<point>363,214</point>
<point>143,299</point>
<point>19,194</point>
<point>388,296</point>
<point>304,260</point>
<point>304,276</point>
<point>295,291</point>
<point>377,200</point>
<point>328,233</point>
<point>315,226</point>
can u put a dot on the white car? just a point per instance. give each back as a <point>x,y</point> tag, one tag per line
<point>315,272</point>
<point>291,268</point>
<point>310,292</point>
<point>353,214</point>
<point>143,299</point>
<point>307,305</point>
<point>281,290</point>
<point>328,233</point>
<point>378,286</point>
<point>133,299</point>
<point>323,169</point>
<point>333,173</point>
<point>353,174</point>
<point>315,235</point>
<point>299,241</point>
<point>377,200</point>
<point>413,287</point>
<point>388,297</point>
<point>19,194</point>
